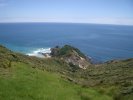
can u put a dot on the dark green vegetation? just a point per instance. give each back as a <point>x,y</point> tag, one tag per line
<point>66,51</point>
<point>72,56</point>
<point>30,78</point>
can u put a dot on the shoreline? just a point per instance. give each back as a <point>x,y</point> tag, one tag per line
<point>32,51</point>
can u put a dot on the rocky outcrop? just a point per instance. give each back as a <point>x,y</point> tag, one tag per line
<point>71,55</point>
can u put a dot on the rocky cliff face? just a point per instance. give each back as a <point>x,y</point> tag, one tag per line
<point>71,56</point>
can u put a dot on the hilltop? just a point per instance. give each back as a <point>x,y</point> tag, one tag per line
<point>67,75</point>
<point>71,55</point>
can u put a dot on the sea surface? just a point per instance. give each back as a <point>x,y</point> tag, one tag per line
<point>100,42</point>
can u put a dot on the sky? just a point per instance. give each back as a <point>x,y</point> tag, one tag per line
<point>69,11</point>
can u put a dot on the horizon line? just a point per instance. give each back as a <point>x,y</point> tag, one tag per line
<point>68,23</point>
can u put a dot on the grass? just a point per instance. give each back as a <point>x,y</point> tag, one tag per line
<point>31,78</point>
<point>23,82</point>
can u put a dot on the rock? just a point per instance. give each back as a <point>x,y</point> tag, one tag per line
<point>55,51</point>
<point>46,55</point>
<point>71,55</point>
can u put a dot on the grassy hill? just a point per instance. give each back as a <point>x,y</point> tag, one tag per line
<point>30,78</point>
<point>22,82</point>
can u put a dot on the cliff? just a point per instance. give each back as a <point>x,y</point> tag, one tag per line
<point>71,55</point>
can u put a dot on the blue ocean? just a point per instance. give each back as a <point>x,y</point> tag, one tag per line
<point>100,42</point>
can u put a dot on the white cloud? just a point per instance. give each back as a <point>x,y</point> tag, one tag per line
<point>118,21</point>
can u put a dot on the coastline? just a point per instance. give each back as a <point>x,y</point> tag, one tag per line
<point>40,52</point>
<point>100,42</point>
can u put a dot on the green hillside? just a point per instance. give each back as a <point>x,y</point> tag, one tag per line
<point>30,78</point>
<point>22,82</point>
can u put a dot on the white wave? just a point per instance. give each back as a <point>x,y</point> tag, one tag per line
<point>39,52</point>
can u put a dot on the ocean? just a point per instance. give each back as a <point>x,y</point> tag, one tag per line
<point>99,42</point>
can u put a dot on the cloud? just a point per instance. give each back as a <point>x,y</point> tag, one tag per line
<point>103,20</point>
<point>117,21</point>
